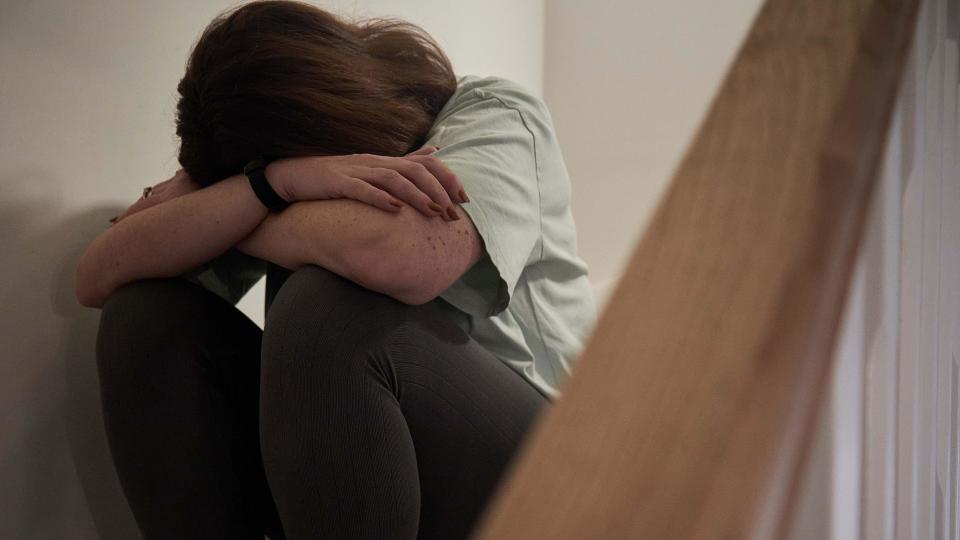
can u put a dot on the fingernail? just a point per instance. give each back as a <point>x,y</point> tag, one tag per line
<point>435,207</point>
<point>463,195</point>
<point>396,203</point>
<point>452,213</point>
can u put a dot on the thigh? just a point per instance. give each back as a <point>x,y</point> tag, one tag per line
<point>179,383</point>
<point>468,414</point>
<point>362,363</point>
<point>155,333</point>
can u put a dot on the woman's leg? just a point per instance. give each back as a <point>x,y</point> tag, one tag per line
<point>179,380</point>
<point>380,419</point>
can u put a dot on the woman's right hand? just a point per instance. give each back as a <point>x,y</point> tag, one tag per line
<point>418,179</point>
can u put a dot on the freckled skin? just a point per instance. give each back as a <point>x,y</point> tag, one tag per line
<point>358,241</point>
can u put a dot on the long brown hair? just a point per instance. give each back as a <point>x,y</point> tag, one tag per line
<point>285,78</point>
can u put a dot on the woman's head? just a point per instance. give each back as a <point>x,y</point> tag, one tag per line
<point>286,78</point>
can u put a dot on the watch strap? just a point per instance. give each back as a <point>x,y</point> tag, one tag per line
<point>256,172</point>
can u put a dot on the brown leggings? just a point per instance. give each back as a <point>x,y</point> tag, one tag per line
<point>351,415</point>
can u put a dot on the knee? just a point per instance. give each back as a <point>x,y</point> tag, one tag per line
<point>129,319</point>
<point>315,302</point>
<point>318,314</point>
<point>139,322</point>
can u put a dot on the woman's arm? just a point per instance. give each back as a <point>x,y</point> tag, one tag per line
<point>406,255</point>
<point>190,226</point>
<point>167,239</point>
<point>409,255</point>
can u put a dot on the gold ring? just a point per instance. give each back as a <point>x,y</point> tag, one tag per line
<point>146,191</point>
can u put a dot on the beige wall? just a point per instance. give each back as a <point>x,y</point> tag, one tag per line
<point>627,82</point>
<point>86,102</point>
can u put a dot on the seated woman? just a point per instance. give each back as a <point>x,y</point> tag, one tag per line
<point>425,298</point>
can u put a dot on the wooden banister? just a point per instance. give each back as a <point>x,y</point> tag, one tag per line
<point>691,409</point>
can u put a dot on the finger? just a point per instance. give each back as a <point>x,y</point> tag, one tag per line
<point>448,179</point>
<point>181,174</point>
<point>141,204</point>
<point>423,179</point>
<point>359,190</point>
<point>123,215</point>
<point>166,182</point>
<point>423,150</point>
<point>401,187</point>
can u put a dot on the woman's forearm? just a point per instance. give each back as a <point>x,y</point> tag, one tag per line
<point>168,239</point>
<point>404,254</point>
<point>290,239</point>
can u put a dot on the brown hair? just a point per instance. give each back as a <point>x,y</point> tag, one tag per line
<point>286,78</point>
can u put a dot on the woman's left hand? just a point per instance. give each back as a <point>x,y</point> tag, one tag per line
<point>178,184</point>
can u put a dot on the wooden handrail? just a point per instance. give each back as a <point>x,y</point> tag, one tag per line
<point>691,409</point>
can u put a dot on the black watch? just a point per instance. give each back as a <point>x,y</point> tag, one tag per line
<point>255,171</point>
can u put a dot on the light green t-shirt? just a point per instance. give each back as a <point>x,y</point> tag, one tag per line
<point>528,300</point>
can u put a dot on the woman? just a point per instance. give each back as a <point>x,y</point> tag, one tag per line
<point>424,303</point>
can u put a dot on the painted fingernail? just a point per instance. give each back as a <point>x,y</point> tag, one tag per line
<point>452,213</point>
<point>463,196</point>
<point>435,207</point>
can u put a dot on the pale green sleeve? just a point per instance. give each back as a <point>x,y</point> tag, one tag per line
<point>230,275</point>
<point>489,147</point>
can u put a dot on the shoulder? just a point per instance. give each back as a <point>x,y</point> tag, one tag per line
<point>479,95</point>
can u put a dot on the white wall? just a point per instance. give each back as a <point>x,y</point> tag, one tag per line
<point>86,120</point>
<point>627,82</point>
<point>887,464</point>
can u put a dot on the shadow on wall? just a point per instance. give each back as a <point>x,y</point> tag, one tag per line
<point>55,463</point>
